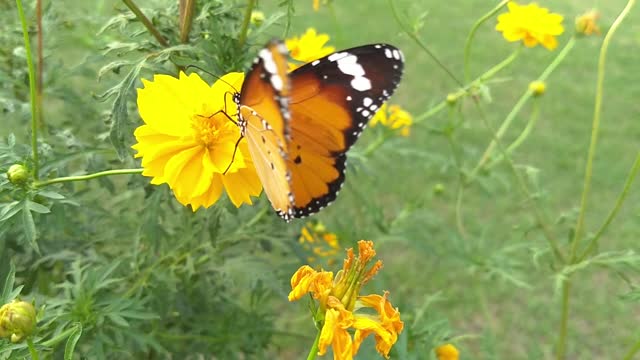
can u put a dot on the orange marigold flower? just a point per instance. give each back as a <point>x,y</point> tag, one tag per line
<point>530,24</point>
<point>340,305</point>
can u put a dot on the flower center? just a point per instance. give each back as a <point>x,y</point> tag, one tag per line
<point>207,130</point>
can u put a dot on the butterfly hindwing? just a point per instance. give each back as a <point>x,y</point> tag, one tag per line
<point>332,100</point>
<point>264,121</point>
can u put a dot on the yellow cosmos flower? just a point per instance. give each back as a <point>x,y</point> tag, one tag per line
<point>343,311</point>
<point>394,118</point>
<point>531,24</point>
<point>315,238</point>
<point>447,352</point>
<point>188,142</point>
<point>308,47</point>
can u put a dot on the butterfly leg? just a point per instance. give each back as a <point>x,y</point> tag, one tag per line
<point>233,157</point>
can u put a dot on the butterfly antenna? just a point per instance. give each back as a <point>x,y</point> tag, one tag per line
<point>233,157</point>
<point>215,76</point>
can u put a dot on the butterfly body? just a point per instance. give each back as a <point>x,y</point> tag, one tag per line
<point>300,125</point>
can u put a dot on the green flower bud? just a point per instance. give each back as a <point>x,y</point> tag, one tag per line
<point>438,188</point>
<point>17,320</point>
<point>18,174</point>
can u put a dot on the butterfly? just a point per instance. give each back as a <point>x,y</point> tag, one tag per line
<point>299,125</point>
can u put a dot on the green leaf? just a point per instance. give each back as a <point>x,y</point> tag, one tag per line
<point>9,280</point>
<point>119,113</point>
<point>29,227</point>
<point>9,210</point>
<point>72,341</point>
<point>51,194</point>
<point>39,208</point>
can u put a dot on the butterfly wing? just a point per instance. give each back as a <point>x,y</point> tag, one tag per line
<point>264,121</point>
<point>332,100</point>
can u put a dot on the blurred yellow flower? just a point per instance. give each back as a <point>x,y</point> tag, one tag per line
<point>342,308</point>
<point>187,141</point>
<point>394,118</point>
<point>316,5</point>
<point>308,47</point>
<point>531,24</point>
<point>586,24</point>
<point>447,352</point>
<point>315,238</point>
<point>537,87</point>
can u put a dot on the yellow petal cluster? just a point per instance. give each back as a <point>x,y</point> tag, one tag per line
<point>189,142</point>
<point>587,23</point>
<point>394,118</point>
<point>308,47</point>
<point>344,311</point>
<point>321,243</point>
<point>530,24</point>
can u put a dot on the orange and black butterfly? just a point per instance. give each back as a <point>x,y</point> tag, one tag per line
<point>299,125</point>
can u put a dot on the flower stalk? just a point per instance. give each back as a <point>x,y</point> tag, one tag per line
<point>595,127</point>
<point>146,22</point>
<point>32,91</point>
<point>467,45</point>
<point>187,8</point>
<point>519,105</point>
<point>313,352</point>
<point>87,177</point>
<point>242,38</point>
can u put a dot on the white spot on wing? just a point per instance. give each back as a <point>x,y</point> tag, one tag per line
<point>367,101</point>
<point>396,54</point>
<point>387,53</point>
<point>336,56</point>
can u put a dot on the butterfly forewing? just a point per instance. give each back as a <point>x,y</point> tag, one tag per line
<point>264,121</point>
<point>332,100</point>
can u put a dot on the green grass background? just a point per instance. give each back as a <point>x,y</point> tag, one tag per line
<point>423,253</point>
<point>427,256</point>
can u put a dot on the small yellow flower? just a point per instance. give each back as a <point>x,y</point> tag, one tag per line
<point>531,24</point>
<point>315,239</point>
<point>188,142</point>
<point>342,308</point>
<point>308,47</point>
<point>537,87</point>
<point>316,5</point>
<point>17,320</point>
<point>447,352</point>
<point>394,118</point>
<point>586,24</point>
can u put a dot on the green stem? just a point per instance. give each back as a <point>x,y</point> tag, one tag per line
<point>187,8</point>
<point>633,351</point>
<point>32,349</point>
<point>467,45</point>
<point>486,75</point>
<point>520,104</point>
<point>245,23</point>
<point>548,234</point>
<point>32,91</point>
<point>417,40</point>
<point>595,127</point>
<point>564,320</point>
<point>521,138</point>
<point>314,348</point>
<point>621,198</point>
<point>375,145</point>
<point>145,21</point>
<point>40,64</point>
<point>87,177</point>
